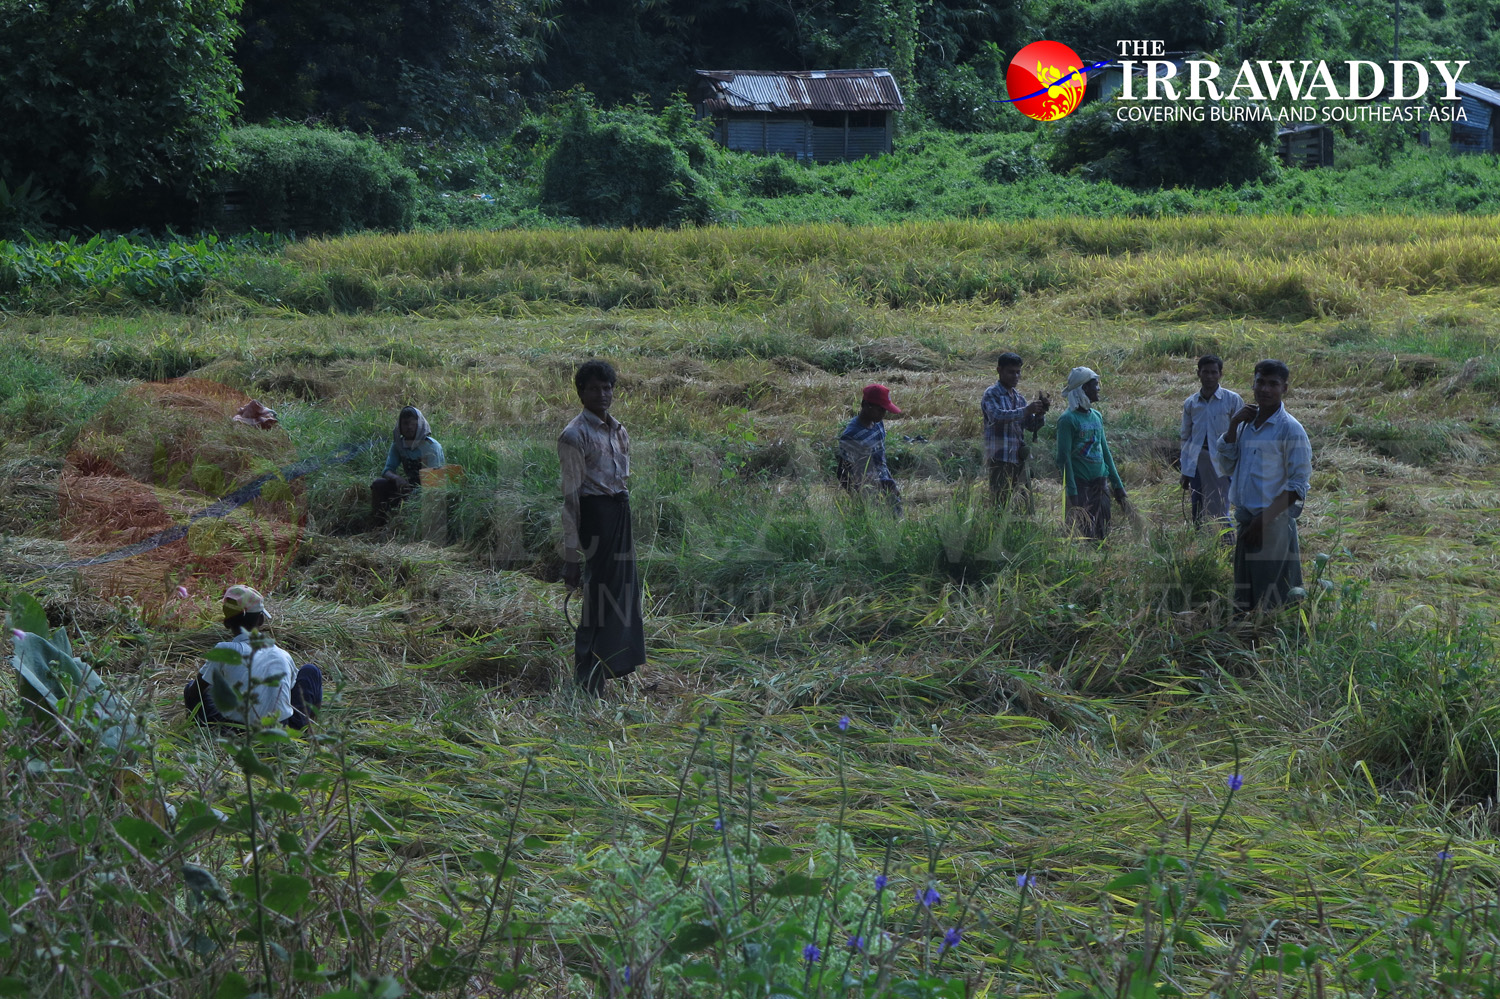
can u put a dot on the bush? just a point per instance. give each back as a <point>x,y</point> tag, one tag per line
<point>628,168</point>
<point>776,176</point>
<point>1162,154</point>
<point>1011,165</point>
<point>310,180</point>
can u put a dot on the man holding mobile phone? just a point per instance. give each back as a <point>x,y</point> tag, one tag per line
<point>1268,458</point>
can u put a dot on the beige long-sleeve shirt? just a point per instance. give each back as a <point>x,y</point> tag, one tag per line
<point>595,459</point>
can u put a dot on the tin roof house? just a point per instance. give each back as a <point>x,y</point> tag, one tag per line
<point>1476,134</point>
<point>820,115</point>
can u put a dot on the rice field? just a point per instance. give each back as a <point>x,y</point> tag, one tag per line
<point>1071,772</point>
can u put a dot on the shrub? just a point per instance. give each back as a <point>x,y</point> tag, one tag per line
<point>23,208</point>
<point>310,180</point>
<point>776,176</point>
<point>1011,165</point>
<point>627,168</point>
<point>1162,154</point>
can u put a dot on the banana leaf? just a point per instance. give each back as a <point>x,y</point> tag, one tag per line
<point>51,677</point>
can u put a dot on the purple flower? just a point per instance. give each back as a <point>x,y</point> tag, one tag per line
<point>718,825</point>
<point>856,943</point>
<point>626,974</point>
<point>1025,880</point>
<point>880,882</point>
<point>1445,855</point>
<point>182,591</point>
<point>929,897</point>
<point>18,634</point>
<point>1235,782</point>
<point>951,939</point>
<point>811,953</point>
<point>844,724</point>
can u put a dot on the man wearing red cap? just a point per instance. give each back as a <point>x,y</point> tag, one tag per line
<point>862,448</point>
<point>268,686</point>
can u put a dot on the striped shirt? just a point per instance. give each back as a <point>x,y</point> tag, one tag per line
<point>595,460</point>
<point>862,450</point>
<point>1203,423</point>
<point>1005,419</point>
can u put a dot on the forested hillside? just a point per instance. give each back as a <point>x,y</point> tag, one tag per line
<point>144,118</point>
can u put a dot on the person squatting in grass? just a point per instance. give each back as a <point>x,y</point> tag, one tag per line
<point>598,544</point>
<point>862,468</point>
<point>1088,469</point>
<point>1007,416</point>
<point>412,449</point>
<point>269,684</point>
<point>1205,417</point>
<point>1268,458</point>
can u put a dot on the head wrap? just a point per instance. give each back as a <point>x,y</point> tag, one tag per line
<point>1077,379</point>
<point>423,430</point>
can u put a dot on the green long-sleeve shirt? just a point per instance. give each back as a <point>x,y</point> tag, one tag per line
<point>1082,452</point>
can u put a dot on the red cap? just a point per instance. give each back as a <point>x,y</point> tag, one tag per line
<point>879,395</point>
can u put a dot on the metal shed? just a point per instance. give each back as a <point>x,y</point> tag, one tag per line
<point>1477,133</point>
<point>821,115</point>
<point>1309,145</point>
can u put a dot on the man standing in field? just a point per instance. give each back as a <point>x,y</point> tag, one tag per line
<point>1268,458</point>
<point>1007,416</point>
<point>1088,469</point>
<point>1205,417</point>
<point>598,543</point>
<point>862,467</point>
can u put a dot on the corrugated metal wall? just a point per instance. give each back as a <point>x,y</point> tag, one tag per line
<point>764,134</point>
<point>1477,135</point>
<point>788,136</point>
<point>827,144</point>
<point>866,142</point>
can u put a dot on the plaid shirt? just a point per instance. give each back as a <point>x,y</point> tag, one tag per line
<point>862,450</point>
<point>1004,422</point>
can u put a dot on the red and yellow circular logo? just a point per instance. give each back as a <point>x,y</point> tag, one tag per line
<point>1045,80</point>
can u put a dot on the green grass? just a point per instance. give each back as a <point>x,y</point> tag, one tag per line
<point>1019,704</point>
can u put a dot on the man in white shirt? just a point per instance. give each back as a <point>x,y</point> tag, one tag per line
<point>1268,458</point>
<point>1205,417</point>
<point>268,687</point>
<point>598,541</point>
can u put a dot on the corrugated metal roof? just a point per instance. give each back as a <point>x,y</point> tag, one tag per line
<point>800,90</point>
<point>1476,91</point>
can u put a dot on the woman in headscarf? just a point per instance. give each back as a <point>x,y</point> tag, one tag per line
<point>1088,468</point>
<point>412,450</point>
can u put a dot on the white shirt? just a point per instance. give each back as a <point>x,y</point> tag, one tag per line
<point>267,684</point>
<point>595,460</point>
<point>1266,462</point>
<point>1203,423</point>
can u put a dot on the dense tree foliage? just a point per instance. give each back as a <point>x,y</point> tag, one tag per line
<point>621,48</point>
<point>430,65</point>
<point>99,99</point>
